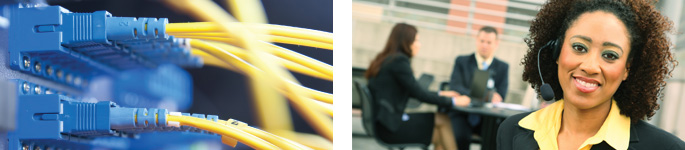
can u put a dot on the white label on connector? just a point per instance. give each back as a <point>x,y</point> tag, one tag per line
<point>175,114</point>
<point>173,124</point>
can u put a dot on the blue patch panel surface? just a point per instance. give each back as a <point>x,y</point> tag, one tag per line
<point>71,48</point>
<point>8,101</point>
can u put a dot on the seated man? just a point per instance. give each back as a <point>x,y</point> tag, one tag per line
<point>464,124</point>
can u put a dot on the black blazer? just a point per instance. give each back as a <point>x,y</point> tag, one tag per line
<point>643,135</point>
<point>392,87</point>
<point>465,65</point>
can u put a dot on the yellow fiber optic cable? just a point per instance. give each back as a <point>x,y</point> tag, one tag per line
<point>322,96</point>
<point>247,11</point>
<point>298,67</point>
<point>311,140</point>
<point>269,104</point>
<point>235,61</point>
<point>286,63</point>
<point>271,29</point>
<point>302,42</point>
<point>229,41</point>
<point>274,139</point>
<point>325,97</point>
<point>328,108</point>
<point>206,10</point>
<point>213,61</point>
<point>317,95</point>
<point>282,53</point>
<point>278,30</point>
<point>300,59</point>
<point>216,62</point>
<point>214,50</point>
<point>207,34</point>
<point>240,135</point>
<point>273,38</point>
<point>321,123</point>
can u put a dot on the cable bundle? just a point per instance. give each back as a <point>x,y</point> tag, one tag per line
<point>242,44</point>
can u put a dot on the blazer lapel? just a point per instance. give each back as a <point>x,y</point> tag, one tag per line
<point>471,67</point>
<point>524,141</point>
<point>602,146</point>
<point>633,136</point>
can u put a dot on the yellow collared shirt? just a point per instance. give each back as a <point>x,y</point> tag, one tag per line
<point>546,123</point>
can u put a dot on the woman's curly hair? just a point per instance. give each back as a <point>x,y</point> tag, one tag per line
<point>650,59</point>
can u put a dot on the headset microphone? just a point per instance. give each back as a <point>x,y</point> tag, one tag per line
<point>546,90</point>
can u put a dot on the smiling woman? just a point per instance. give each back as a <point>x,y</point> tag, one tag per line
<point>592,63</point>
<point>606,69</point>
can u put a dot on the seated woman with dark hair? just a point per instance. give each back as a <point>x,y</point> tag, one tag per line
<point>391,82</point>
<point>605,61</point>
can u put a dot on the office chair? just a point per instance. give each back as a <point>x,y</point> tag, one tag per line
<point>368,120</point>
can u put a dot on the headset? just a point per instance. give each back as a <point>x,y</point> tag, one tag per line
<point>546,90</point>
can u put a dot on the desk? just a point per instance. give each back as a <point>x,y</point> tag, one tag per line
<point>491,118</point>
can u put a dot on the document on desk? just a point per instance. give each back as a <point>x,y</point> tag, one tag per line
<point>511,106</point>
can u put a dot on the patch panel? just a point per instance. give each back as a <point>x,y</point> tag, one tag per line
<point>71,48</point>
<point>74,48</point>
<point>23,87</point>
<point>166,86</point>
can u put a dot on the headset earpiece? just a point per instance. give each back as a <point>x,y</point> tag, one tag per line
<point>556,48</point>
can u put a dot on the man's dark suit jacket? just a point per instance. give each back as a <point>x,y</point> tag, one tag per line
<point>392,87</point>
<point>643,135</point>
<point>465,65</point>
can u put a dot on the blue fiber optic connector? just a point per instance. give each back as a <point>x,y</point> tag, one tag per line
<point>67,47</point>
<point>46,119</point>
<point>53,120</point>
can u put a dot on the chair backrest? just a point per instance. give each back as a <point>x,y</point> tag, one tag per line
<point>356,96</point>
<point>367,107</point>
<point>357,75</point>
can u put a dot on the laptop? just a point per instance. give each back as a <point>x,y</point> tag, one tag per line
<point>425,81</point>
<point>479,88</point>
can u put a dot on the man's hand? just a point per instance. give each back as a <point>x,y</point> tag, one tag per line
<point>449,93</point>
<point>496,98</point>
<point>462,101</point>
